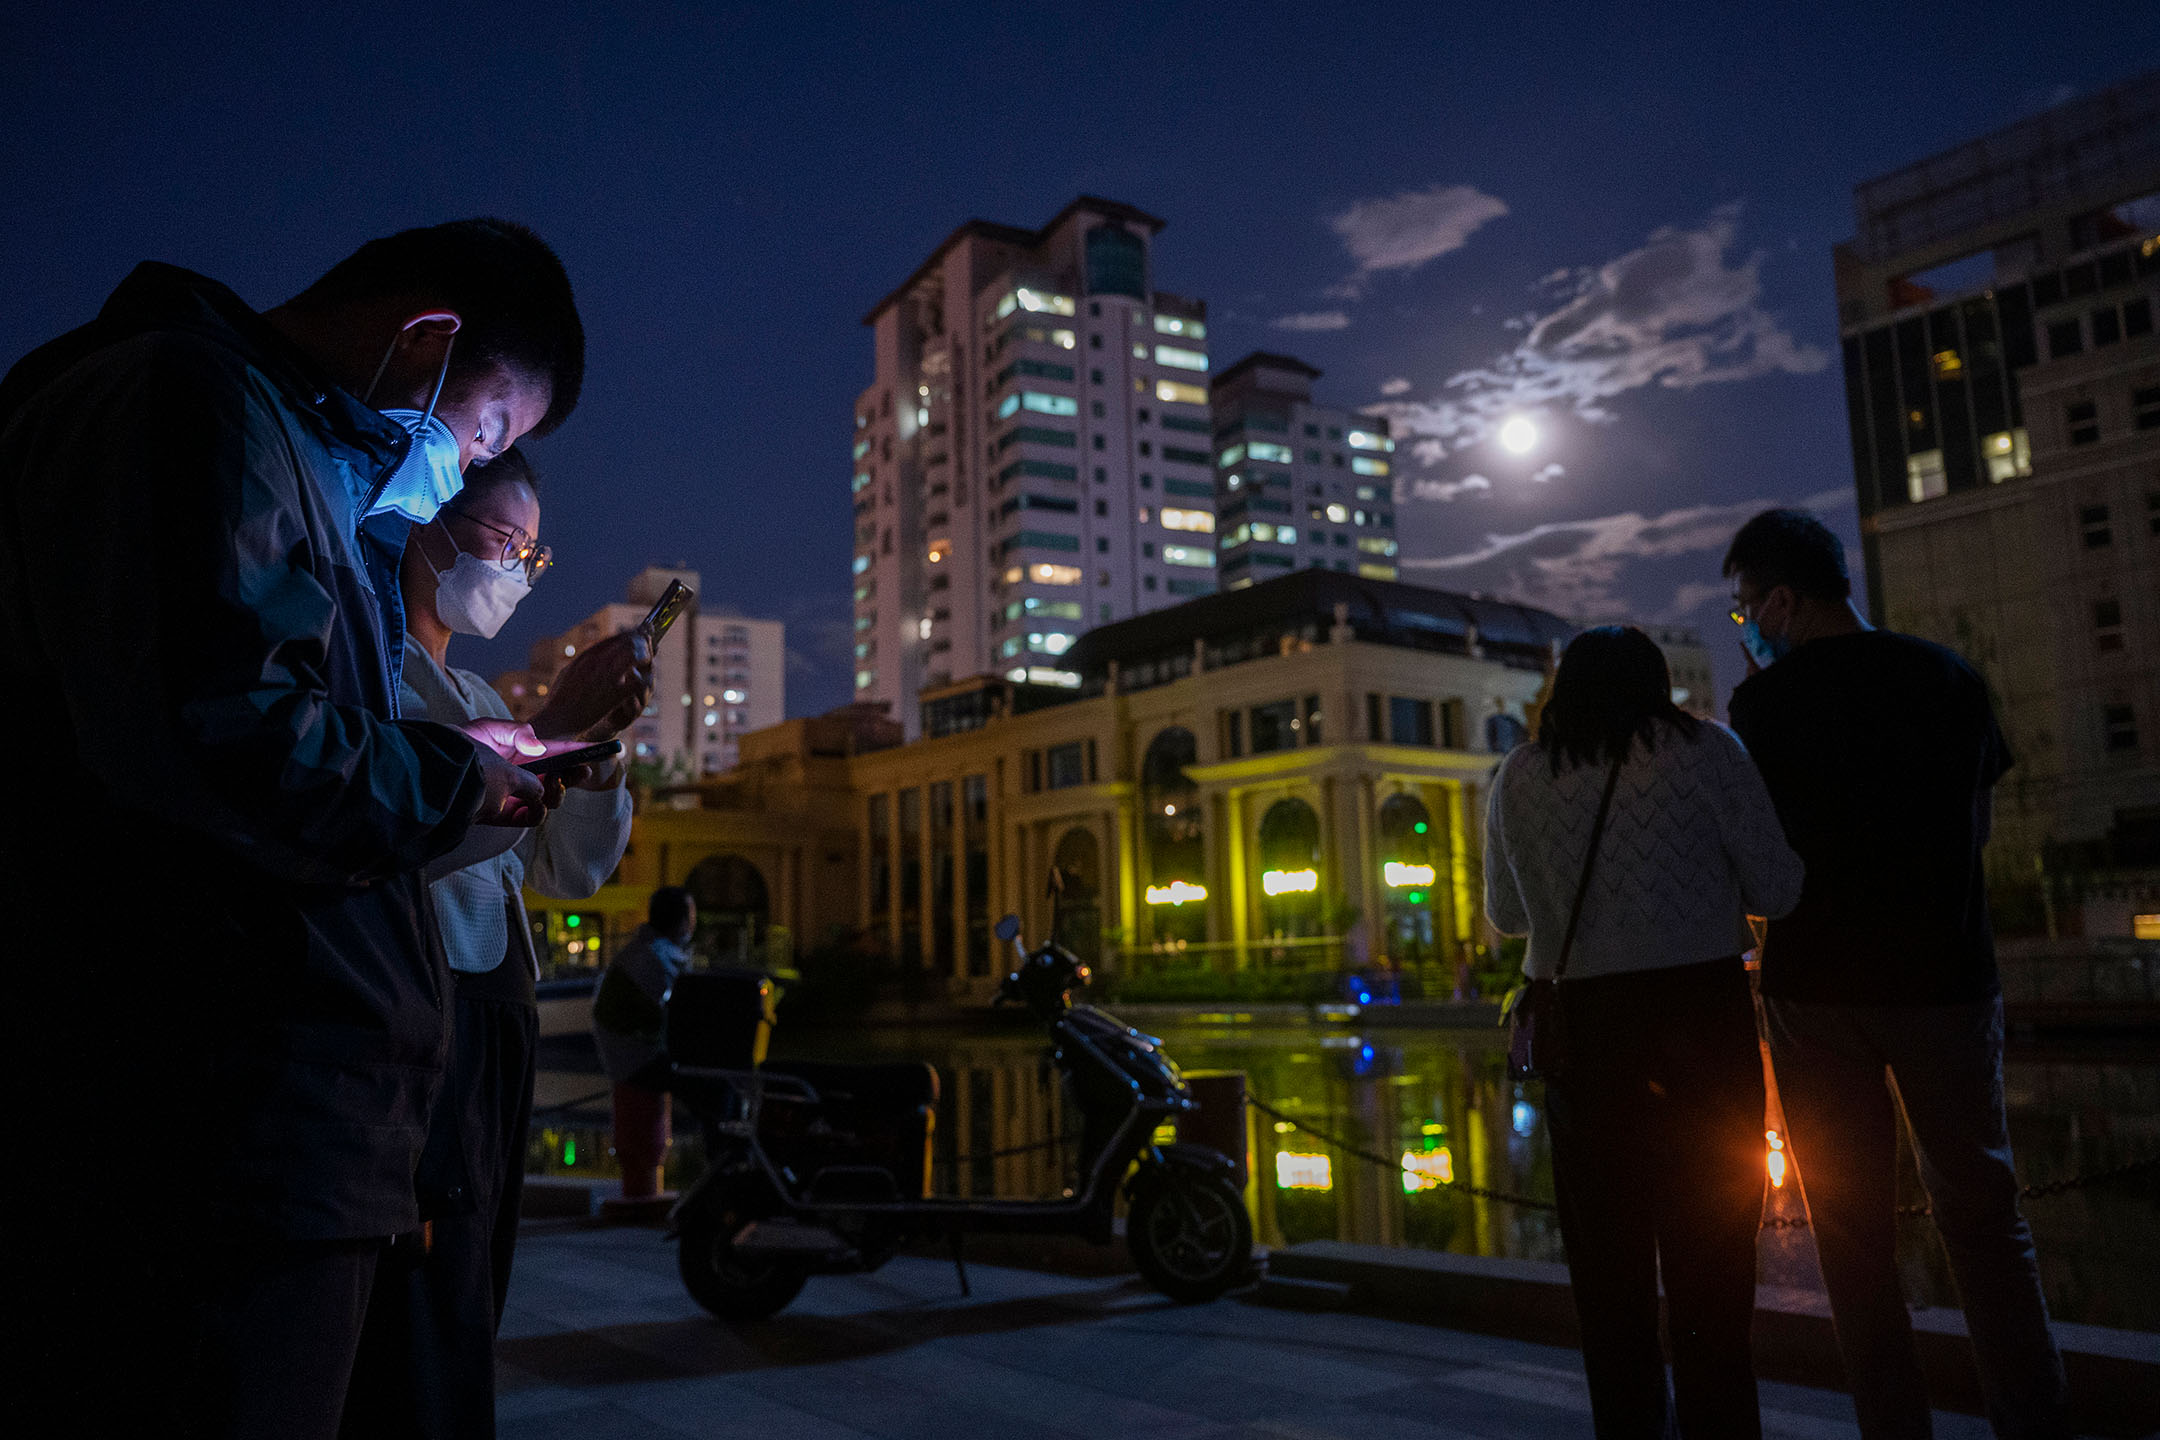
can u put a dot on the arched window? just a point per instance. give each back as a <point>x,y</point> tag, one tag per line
<point>733,908</point>
<point>1079,925</point>
<point>1172,829</point>
<point>1408,877</point>
<point>1290,868</point>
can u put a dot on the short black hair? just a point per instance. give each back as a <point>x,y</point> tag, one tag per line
<point>505,284</point>
<point>671,905</point>
<point>1790,548</point>
<point>1613,688</point>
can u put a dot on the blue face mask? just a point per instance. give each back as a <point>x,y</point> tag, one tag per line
<point>430,472</point>
<point>1762,649</point>
<point>428,476</point>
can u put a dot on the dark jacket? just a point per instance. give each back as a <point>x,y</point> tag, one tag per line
<point>218,820</point>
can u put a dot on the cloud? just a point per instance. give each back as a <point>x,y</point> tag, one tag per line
<point>1691,597</point>
<point>1312,320</point>
<point>1404,231</point>
<point>1573,567</point>
<point>1548,472</point>
<point>1423,488</point>
<point>1396,386</point>
<point>1672,313</point>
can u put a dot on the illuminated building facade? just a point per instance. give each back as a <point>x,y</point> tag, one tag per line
<point>1031,458</point>
<point>716,677</point>
<point>2002,378</point>
<point>1298,485</point>
<point>1289,775</point>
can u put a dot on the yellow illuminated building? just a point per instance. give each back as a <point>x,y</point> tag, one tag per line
<point>1291,775</point>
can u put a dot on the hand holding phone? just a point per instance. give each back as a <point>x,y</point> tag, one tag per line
<point>672,602</point>
<point>566,760</point>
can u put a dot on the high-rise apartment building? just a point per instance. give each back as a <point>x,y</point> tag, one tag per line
<point>716,677</point>
<point>2003,381</point>
<point>1032,458</point>
<point>1298,485</point>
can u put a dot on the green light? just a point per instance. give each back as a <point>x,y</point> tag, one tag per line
<point>569,1152</point>
<point>573,921</point>
<point>1417,897</point>
<point>1419,827</point>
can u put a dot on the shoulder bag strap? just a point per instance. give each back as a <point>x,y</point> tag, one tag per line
<point>1582,891</point>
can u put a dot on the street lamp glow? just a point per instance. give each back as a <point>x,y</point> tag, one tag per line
<point>1517,435</point>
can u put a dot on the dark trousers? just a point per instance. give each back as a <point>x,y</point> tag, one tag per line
<point>151,1332</point>
<point>427,1358</point>
<point>1657,1143</point>
<point>1947,1064</point>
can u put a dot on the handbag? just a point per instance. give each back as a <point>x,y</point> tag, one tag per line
<point>1537,1037</point>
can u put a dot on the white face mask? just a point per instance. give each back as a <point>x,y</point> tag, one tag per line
<point>474,597</point>
<point>431,472</point>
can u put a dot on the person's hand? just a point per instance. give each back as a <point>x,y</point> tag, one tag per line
<point>513,794</point>
<point>601,691</point>
<point>607,776</point>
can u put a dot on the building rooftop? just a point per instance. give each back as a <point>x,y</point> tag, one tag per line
<point>1306,605</point>
<point>2094,150</point>
<point>1015,235</point>
<point>1268,360</point>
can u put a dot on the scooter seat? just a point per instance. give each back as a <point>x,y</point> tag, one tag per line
<point>901,1086</point>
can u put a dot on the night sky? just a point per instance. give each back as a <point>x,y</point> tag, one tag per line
<point>1623,231</point>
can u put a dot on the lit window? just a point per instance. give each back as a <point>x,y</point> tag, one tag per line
<point>709,700</point>
<point>1041,675</point>
<point>1179,325</point>
<point>733,697</point>
<point>1267,450</point>
<point>1201,521</point>
<point>1337,513</point>
<point>862,482</point>
<point>1049,642</point>
<point>1924,476</point>
<point>1188,555</point>
<point>1177,392</point>
<point>1285,534</point>
<point>922,628</point>
<point>862,448</point>
<point>712,718</point>
<point>1361,465</point>
<point>1038,402</point>
<point>1375,545</point>
<point>862,563</point>
<point>2145,927</point>
<point>1047,609</point>
<point>1231,457</point>
<point>1047,574</point>
<point>939,549</point>
<point>1376,572</point>
<point>863,679</point>
<point>1367,440</point>
<point>1179,359</point>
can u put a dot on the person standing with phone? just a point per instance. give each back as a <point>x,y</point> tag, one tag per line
<point>202,507</point>
<point>426,1365</point>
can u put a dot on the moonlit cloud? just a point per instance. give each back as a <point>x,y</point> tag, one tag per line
<point>1573,567</point>
<point>1313,320</point>
<point>1405,230</point>
<point>1396,386</point>
<point>1672,313</point>
<point>1548,472</point>
<point>1426,488</point>
<point>1689,599</point>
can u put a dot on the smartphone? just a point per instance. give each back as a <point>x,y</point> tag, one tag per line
<point>673,601</point>
<point>571,759</point>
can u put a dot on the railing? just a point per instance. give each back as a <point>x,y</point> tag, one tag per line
<point>2086,974</point>
<point>1305,969</point>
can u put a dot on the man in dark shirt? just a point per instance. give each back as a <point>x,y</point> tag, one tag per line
<point>1881,752</point>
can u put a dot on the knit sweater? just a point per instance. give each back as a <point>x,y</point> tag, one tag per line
<point>1691,848</point>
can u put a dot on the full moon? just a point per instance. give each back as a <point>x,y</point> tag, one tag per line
<point>1518,435</point>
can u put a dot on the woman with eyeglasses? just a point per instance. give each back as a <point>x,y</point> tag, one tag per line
<point>426,1363</point>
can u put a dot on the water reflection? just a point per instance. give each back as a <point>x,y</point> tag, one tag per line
<point>1441,1105</point>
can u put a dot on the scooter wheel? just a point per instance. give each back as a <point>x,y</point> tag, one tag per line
<point>729,1285</point>
<point>1190,1236</point>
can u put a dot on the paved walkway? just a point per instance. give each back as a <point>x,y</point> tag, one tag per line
<point>601,1343</point>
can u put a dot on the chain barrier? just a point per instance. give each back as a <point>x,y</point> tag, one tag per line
<point>1770,1222</point>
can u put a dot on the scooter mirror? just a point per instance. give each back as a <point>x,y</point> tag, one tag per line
<point>1008,928</point>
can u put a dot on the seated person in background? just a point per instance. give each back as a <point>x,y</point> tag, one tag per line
<point>427,1354</point>
<point>628,1019</point>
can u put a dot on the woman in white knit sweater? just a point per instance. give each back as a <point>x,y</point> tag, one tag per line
<point>1656,1116</point>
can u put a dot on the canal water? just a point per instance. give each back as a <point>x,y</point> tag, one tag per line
<point>1440,1105</point>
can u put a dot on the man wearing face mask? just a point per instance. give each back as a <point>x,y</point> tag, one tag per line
<point>1881,752</point>
<point>426,1365</point>
<point>204,509</point>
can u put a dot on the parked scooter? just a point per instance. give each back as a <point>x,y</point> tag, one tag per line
<point>825,1169</point>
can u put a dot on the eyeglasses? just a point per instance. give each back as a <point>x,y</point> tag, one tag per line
<point>519,549</point>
